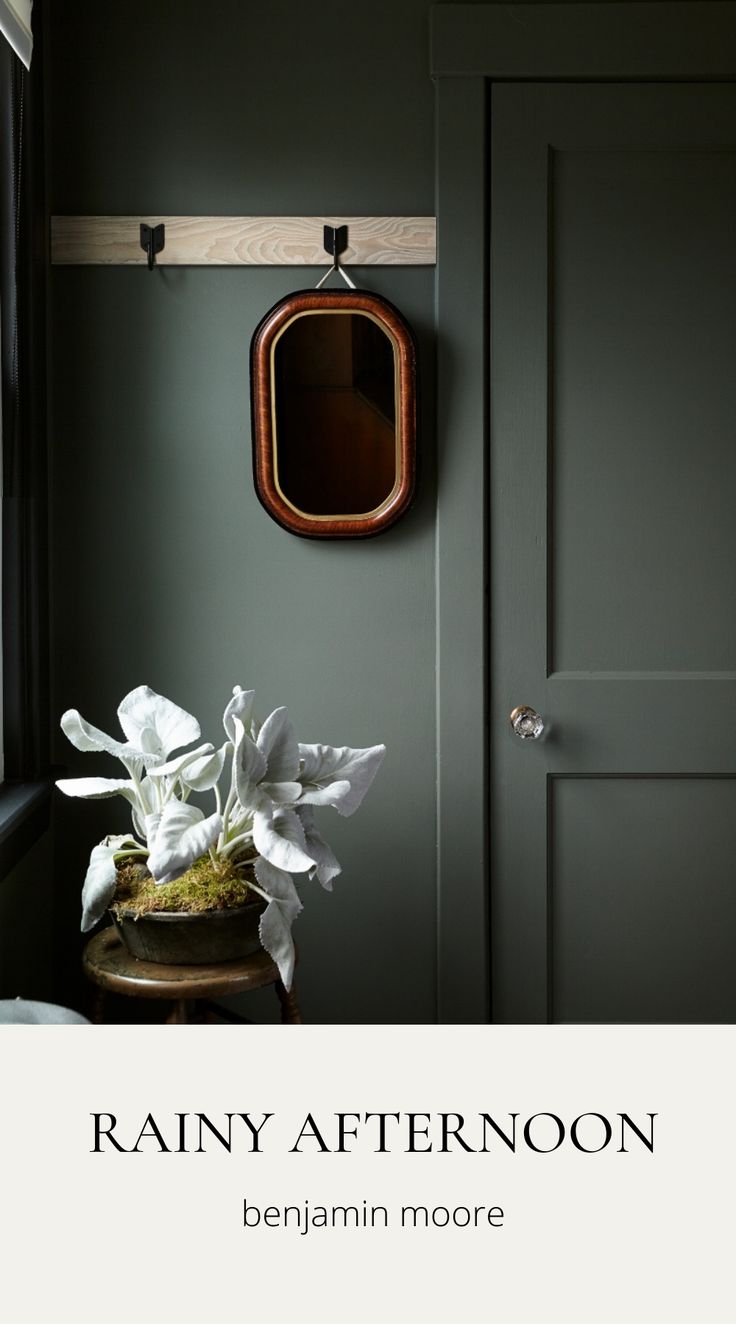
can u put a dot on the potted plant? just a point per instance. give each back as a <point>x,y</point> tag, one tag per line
<point>184,878</point>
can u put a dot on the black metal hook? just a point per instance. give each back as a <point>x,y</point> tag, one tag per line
<point>153,238</point>
<point>335,239</point>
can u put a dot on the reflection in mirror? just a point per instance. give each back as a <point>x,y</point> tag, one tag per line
<point>333,381</point>
<point>335,410</point>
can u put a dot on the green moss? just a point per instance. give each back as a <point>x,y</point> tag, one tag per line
<point>208,885</point>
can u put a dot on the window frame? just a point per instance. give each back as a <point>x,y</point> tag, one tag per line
<point>25,792</point>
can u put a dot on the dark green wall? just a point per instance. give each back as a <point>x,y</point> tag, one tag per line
<point>165,568</point>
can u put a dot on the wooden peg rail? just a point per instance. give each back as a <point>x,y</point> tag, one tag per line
<point>282,241</point>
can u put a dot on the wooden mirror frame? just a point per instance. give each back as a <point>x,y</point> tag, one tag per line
<point>264,404</point>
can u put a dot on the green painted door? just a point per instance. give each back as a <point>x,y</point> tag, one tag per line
<point>613,551</point>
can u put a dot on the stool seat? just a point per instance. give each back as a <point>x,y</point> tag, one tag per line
<point>108,964</point>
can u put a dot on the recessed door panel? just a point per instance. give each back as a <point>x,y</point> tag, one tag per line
<point>642,898</point>
<point>642,454</point>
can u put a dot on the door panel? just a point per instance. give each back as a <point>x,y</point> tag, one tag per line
<point>642,461</point>
<point>642,898</point>
<point>613,551</point>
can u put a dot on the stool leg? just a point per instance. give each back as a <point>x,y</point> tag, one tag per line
<point>181,1012</point>
<point>98,1007</point>
<point>290,1013</point>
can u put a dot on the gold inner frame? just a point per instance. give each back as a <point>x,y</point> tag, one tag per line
<point>337,312</point>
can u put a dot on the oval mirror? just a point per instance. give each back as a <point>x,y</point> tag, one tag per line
<point>333,391</point>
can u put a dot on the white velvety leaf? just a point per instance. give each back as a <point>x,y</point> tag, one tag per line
<point>278,917</point>
<point>279,838</point>
<point>250,766</point>
<point>326,866</point>
<point>89,738</point>
<point>99,882</point>
<point>324,766</point>
<point>204,773</point>
<point>326,795</point>
<point>174,766</point>
<point>276,740</point>
<point>139,824</point>
<point>136,762</point>
<point>277,882</point>
<point>178,838</point>
<point>97,788</point>
<point>275,934</point>
<point>149,793</point>
<point>282,793</point>
<point>99,885</point>
<point>151,826</point>
<point>155,724</point>
<point>240,706</point>
<point>147,803</point>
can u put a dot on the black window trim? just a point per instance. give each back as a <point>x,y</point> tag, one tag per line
<point>25,793</point>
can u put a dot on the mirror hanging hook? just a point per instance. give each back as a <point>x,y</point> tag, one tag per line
<point>153,238</point>
<point>335,239</point>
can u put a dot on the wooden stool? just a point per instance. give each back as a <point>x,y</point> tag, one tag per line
<point>109,964</point>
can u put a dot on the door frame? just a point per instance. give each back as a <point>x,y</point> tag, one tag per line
<point>471,47</point>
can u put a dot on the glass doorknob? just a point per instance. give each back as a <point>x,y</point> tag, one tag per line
<point>526,723</point>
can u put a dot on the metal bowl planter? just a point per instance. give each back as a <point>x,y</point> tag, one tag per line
<point>178,937</point>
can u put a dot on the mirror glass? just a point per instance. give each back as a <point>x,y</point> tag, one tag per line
<point>334,393</point>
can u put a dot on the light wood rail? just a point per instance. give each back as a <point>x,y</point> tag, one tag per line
<point>285,241</point>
